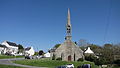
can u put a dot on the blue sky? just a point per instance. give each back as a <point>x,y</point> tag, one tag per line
<point>41,23</point>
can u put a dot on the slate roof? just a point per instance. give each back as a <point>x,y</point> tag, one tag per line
<point>3,46</point>
<point>12,44</point>
<point>28,48</point>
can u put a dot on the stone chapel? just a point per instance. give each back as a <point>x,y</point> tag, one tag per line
<point>68,51</point>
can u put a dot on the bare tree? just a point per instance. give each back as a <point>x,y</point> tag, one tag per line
<point>83,42</point>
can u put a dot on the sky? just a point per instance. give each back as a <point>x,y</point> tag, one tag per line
<point>41,23</point>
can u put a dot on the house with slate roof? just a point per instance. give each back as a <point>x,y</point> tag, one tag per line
<point>9,47</point>
<point>29,51</point>
<point>2,49</point>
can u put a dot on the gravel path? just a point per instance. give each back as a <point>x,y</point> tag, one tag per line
<point>9,62</point>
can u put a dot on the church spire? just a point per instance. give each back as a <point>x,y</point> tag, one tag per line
<point>68,18</point>
<point>68,26</point>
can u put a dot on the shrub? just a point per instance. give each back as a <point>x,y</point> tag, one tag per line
<point>90,58</point>
<point>59,58</point>
<point>80,59</point>
<point>117,62</point>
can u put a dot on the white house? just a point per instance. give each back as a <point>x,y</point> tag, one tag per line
<point>47,54</point>
<point>2,49</point>
<point>89,51</point>
<point>29,51</point>
<point>10,47</point>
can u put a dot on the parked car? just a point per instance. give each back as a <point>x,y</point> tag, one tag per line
<point>28,57</point>
<point>70,66</point>
<point>61,67</point>
<point>66,66</point>
<point>84,66</point>
<point>37,57</point>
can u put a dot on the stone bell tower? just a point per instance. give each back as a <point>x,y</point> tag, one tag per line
<point>68,27</point>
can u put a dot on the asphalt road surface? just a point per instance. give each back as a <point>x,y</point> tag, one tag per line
<point>9,62</point>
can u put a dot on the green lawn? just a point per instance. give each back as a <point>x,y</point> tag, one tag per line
<point>51,63</point>
<point>5,56</point>
<point>9,66</point>
<point>116,67</point>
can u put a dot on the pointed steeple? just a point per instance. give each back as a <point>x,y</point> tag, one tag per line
<point>68,26</point>
<point>68,18</point>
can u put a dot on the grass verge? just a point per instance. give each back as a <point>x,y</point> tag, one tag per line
<point>116,67</point>
<point>9,66</point>
<point>5,56</point>
<point>51,63</point>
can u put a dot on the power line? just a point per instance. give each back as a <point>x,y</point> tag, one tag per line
<point>108,21</point>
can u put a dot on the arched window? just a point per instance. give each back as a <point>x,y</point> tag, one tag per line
<point>74,57</point>
<point>53,57</point>
<point>62,55</point>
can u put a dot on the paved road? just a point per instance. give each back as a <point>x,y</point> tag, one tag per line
<point>9,62</point>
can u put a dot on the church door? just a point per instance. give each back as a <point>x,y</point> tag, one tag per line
<point>69,58</point>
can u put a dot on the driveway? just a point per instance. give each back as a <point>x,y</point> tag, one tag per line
<point>9,62</point>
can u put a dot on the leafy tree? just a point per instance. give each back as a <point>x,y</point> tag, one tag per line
<point>41,52</point>
<point>96,49</point>
<point>36,53</point>
<point>116,49</point>
<point>56,46</point>
<point>20,48</point>
<point>99,61</point>
<point>108,53</point>
<point>83,48</point>
<point>83,42</point>
<point>90,58</point>
<point>80,59</point>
